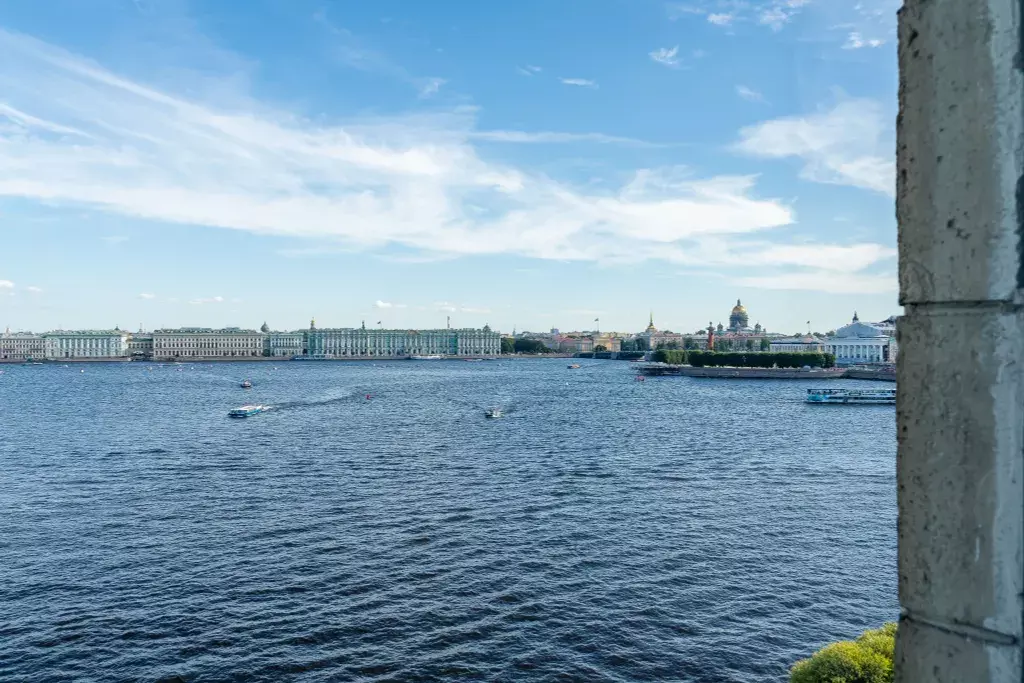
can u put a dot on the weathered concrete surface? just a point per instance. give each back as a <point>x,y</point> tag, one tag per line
<point>959,150</point>
<point>960,404</point>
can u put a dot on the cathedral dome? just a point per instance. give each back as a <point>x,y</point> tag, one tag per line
<point>738,318</point>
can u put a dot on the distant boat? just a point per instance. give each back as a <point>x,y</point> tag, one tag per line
<point>574,366</point>
<point>493,413</point>
<point>247,411</point>
<point>246,384</point>
<point>848,396</point>
<point>435,357</point>
<point>474,360</point>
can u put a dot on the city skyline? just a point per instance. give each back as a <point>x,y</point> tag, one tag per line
<point>595,325</point>
<point>531,166</point>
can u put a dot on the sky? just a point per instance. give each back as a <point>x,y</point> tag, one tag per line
<point>528,164</point>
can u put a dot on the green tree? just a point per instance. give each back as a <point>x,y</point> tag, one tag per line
<point>865,660</point>
<point>750,345</point>
<point>765,344</point>
<point>508,345</point>
<point>530,346</point>
<point>689,344</point>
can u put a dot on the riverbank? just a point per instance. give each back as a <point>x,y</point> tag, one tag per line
<point>264,359</point>
<point>884,375</point>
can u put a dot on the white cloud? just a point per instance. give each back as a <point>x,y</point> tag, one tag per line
<point>474,309</point>
<point>529,70</point>
<point>855,41</point>
<point>387,304</point>
<point>554,137</point>
<point>581,82</point>
<point>147,296</point>
<point>774,14</point>
<point>431,86</point>
<point>34,290</point>
<point>6,284</point>
<point>445,307</point>
<point>209,300</point>
<point>749,94</point>
<point>666,56</point>
<point>418,184</point>
<point>850,144</point>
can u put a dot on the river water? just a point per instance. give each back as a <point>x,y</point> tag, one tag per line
<point>677,529</point>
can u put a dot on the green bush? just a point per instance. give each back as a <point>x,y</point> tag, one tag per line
<point>865,660</point>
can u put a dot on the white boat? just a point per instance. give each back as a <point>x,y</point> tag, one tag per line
<point>246,384</point>
<point>847,396</point>
<point>494,413</point>
<point>427,357</point>
<point>574,366</point>
<point>247,411</point>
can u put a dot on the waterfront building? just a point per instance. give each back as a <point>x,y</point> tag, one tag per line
<point>380,343</point>
<point>283,344</point>
<point>85,344</point>
<point>21,346</point>
<point>860,343</point>
<point>805,344</point>
<point>140,345</point>
<point>197,343</point>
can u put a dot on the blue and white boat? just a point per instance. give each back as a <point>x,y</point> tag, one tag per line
<point>852,396</point>
<point>247,411</point>
<point>433,357</point>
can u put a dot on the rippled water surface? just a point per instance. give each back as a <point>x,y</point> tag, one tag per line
<point>605,530</point>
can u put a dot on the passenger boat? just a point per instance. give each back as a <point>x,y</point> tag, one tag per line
<point>846,396</point>
<point>574,366</point>
<point>247,411</point>
<point>493,412</point>
<point>246,384</point>
<point>427,357</point>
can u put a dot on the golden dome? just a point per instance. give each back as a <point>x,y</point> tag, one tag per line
<point>738,308</point>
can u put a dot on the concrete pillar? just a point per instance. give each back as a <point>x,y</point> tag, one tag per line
<point>960,412</point>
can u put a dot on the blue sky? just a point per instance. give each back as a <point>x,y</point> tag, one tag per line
<point>529,164</point>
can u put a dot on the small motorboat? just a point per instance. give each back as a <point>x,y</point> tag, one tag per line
<point>851,396</point>
<point>247,411</point>
<point>493,413</point>
<point>574,366</point>
<point>246,384</point>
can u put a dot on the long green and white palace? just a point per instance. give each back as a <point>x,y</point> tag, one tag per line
<point>232,343</point>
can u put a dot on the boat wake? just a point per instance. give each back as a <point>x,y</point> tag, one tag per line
<point>355,396</point>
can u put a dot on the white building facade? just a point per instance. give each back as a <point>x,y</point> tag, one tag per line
<point>21,346</point>
<point>859,343</point>
<point>283,344</point>
<point>202,343</point>
<point>808,344</point>
<point>86,344</point>
<point>361,343</point>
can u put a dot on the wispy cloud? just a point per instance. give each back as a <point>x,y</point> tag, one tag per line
<point>431,87</point>
<point>419,184</point>
<point>666,56</point>
<point>474,310</point>
<point>774,14</point>
<point>544,137</point>
<point>849,144</point>
<point>349,50</point>
<point>208,300</point>
<point>34,290</point>
<point>856,41</point>
<point>581,82</point>
<point>6,284</point>
<point>386,305</point>
<point>147,296</point>
<point>445,307</point>
<point>528,70</point>
<point>749,94</point>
